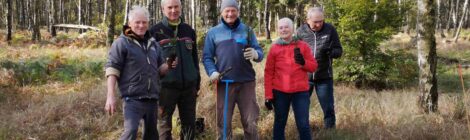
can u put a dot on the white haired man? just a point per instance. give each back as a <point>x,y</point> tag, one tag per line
<point>324,42</point>
<point>136,64</point>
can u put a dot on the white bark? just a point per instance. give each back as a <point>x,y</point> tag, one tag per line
<point>126,12</point>
<point>464,11</point>
<point>79,12</point>
<point>193,14</point>
<point>105,11</point>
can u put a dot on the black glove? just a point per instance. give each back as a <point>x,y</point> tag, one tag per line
<point>335,53</point>
<point>269,104</point>
<point>326,51</point>
<point>299,58</point>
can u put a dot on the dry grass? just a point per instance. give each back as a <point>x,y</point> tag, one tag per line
<point>56,110</point>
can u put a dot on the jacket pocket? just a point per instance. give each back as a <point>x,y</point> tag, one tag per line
<point>137,85</point>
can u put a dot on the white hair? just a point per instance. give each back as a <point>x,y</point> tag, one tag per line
<point>138,10</point>
<point>286,20</point>
<point>163,2</point>
<point>313,11</point>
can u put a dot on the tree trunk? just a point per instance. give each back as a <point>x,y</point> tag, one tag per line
<point>151,10</point>
<point>9,18</point>
<point>112,14</point>
<point>79,11</point>
<point>266,20</point>
<point>90,13</point>
<point>126,12</point>
<point>52,18</point>
<point>212,17</point>
<point>23,14</point>
<point>439,21</point>
<point>193,14</point>
<point>427,61</point>
<point>105,11</point>
<point>464,11</point>
<point>450,17</point>
<point>29,16</point>
<point>36,36</point>
<point>260,19</point>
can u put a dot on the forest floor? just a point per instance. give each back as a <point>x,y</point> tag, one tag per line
<point>68,103</point>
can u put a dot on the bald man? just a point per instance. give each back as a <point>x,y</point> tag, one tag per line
<point>324,42</point>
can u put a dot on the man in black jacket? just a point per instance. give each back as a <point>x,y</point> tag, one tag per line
<point>324,42</point>
<point>136,64</point>
<point>180,85</point>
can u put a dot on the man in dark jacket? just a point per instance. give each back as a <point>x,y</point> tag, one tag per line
<point>180,85</point>
<point>136,64</point>
<point>324,42</point>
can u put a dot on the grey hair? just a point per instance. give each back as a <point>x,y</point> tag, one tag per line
<point>314,10</point>
<point>138,10</point>
<point>163,2</point>
<point>286,20</point>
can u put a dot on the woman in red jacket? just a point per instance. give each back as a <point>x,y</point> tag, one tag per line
<point>286,80</point>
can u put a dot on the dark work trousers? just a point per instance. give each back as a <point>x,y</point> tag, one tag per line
<point>185,99</point>
<point>244,95</point>
<point>324,90</point>
<point>134,111</point>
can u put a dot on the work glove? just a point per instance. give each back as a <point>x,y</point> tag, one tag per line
<point>299,58</point>
<point>250,54</point>
<point>335,54</point>
<point>214,77</point>
<point>326,51</point>
<point>269,104</point>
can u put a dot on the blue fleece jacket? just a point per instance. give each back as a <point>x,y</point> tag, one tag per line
<point>222,51</point>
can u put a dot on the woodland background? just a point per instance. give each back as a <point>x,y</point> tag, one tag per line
<point>52,83</point>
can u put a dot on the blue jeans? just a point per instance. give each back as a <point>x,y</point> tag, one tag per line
<point>324,90</point>
<point>300,104</point>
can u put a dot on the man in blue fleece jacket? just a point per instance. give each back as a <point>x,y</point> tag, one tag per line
<point>233,44</point>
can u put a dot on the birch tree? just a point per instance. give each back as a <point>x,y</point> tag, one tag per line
<point>266,20</point>
<point>464,15</point>
<point>427,56</point>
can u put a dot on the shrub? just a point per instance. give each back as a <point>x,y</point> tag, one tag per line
<point>362,25</point>
<point>41,70</point>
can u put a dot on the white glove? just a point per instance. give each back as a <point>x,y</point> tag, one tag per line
<point>214,76</point>
<point>250,54</point>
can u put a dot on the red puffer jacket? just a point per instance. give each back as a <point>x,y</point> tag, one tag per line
<point>281,71</point>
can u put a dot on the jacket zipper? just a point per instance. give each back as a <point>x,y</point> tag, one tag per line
<point>146,48</point>
<point>314,51</point>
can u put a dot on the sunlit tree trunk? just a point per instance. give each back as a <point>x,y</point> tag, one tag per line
<point>427,56</point>
<point>126,12</point>
<point>464,15</point>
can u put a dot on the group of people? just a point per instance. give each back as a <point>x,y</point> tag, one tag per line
<point>157,70</point>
